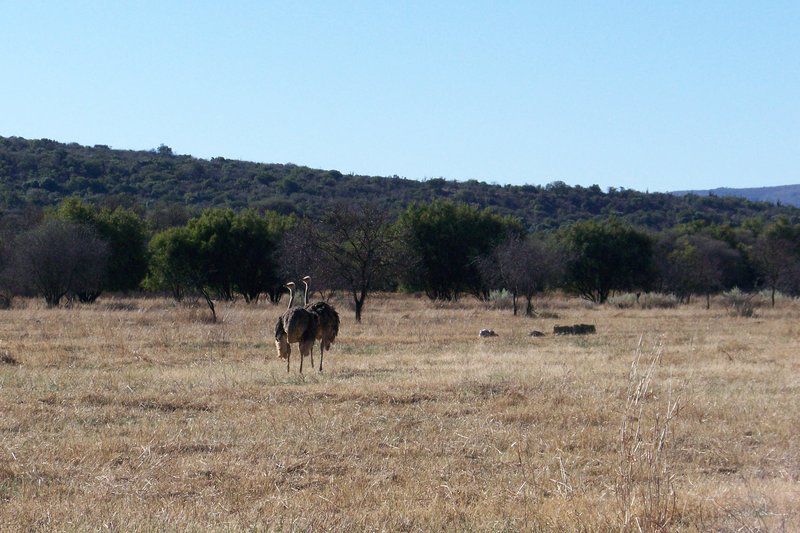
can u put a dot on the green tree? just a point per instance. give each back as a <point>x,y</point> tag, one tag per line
<point>255,243</point>
<point>607,256</point>
<point>212,233</point>
<point>444,240</point>
<point>739,269</point>
<point>126,235</point>
<point>179,264</point>
<point>218,254</point>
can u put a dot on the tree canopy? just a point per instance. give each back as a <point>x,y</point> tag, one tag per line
<point>608,256</point>
<point>444,240</point>
<point>124,232</point>
<point>219,254</point>
<point>56,259</point>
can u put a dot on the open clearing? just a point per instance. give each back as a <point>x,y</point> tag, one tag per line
<point>139,414</point>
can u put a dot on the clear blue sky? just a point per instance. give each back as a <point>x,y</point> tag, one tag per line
<point>645,95</point>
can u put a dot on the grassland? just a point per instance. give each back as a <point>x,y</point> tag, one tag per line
<point>141,415</point>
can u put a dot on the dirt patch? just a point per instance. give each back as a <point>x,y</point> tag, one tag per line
<point>166,406</point>
<point>378,398</point>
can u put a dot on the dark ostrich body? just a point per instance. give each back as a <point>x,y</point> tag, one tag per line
<point>327,327</point>
<point>327,323</point>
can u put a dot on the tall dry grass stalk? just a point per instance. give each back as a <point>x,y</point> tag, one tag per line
<point>645,483</point>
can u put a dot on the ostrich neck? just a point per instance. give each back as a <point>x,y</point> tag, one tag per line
<point>291,298</point>
<point>305,295</point>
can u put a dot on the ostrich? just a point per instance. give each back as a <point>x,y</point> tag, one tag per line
<point>327,323</point>
<point>296,325</point>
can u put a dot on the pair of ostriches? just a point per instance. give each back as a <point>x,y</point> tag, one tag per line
<point>304,325</point>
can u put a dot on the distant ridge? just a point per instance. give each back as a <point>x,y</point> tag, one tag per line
<point>781,194</point>
<point>161,184</point>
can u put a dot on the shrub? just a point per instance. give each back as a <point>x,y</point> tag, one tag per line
<point>623,301</point>
<point>740,303</point>
<point>766,294</point>
<point>500,299</point>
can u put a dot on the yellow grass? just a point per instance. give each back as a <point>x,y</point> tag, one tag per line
<point>141,415</point>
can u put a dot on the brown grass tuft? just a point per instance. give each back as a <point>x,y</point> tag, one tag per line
<point>645,479</point>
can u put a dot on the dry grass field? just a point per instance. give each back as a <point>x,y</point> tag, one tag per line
<point>141,415</point>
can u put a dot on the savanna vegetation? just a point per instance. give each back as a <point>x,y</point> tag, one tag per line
<point>446,250</point>
<point>139,414</point>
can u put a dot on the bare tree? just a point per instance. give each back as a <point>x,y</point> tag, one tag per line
<point>525,267</point>
<point>299,257</point>
<point>700,264</point>
<point>57,259</point>
<point>778,264</point>
<point>352,248</point>
<point>327,323</point>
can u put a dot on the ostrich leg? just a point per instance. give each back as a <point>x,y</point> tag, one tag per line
<point>305,348</point>
<point>321,353</point>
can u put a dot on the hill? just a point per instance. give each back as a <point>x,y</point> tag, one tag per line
<point>43,172</point>
<point>782,194</point>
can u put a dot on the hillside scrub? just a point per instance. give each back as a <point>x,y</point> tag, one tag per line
<point>44,172</point>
